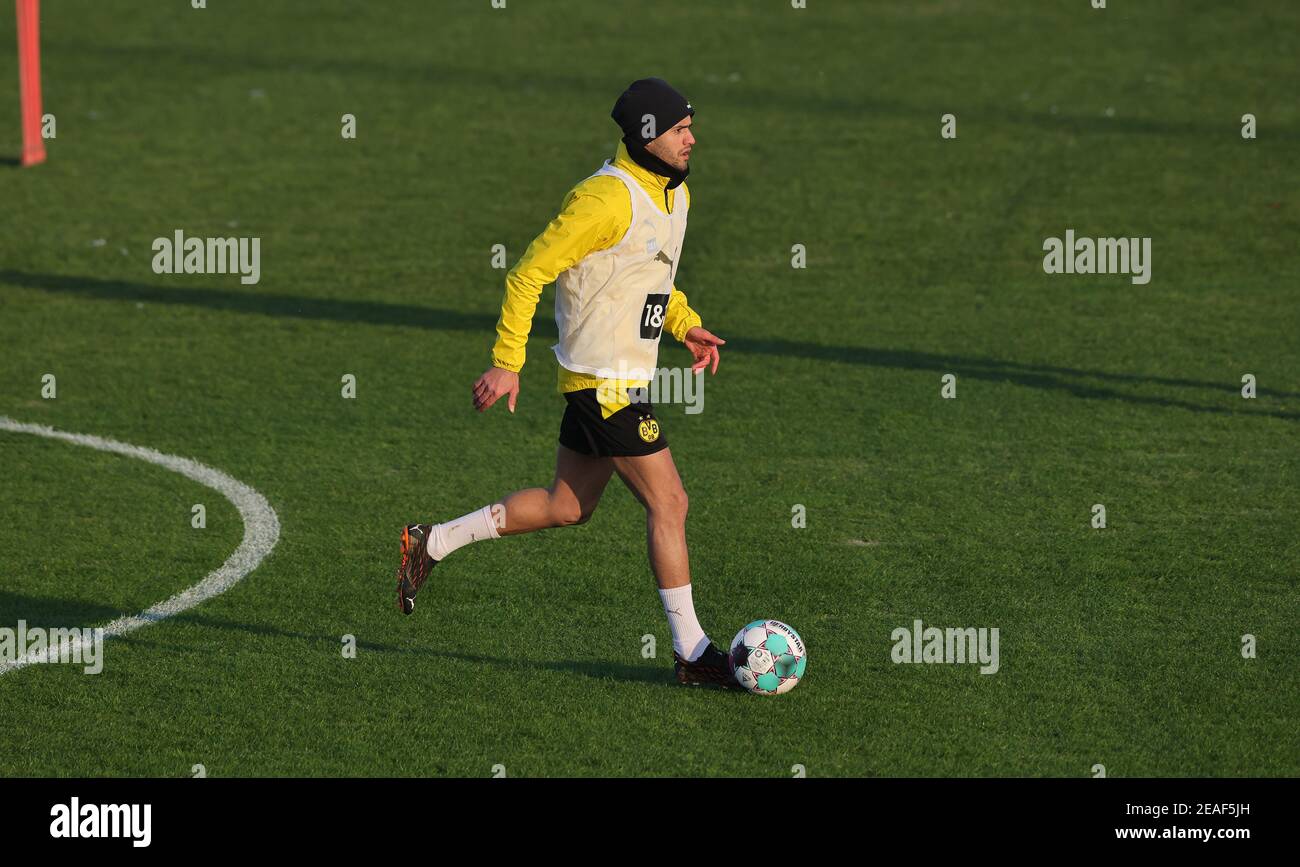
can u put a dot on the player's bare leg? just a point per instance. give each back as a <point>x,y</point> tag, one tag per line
<point>571,498</point>
<point>653,480</point>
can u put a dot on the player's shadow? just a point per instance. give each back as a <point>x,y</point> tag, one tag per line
<point>1096,384</point>
<point>588,668</point>
<point>331,645</point>
<point>50,612</point>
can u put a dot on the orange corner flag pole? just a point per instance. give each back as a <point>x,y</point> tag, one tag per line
<point>29,78</point>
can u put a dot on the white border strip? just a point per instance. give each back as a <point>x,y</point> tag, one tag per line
<point>261,532</point>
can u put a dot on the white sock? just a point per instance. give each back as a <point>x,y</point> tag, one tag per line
<point>689,639</point>
<point>474,527</point>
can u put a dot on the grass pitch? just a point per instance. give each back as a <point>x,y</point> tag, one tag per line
<point>1119,646</point>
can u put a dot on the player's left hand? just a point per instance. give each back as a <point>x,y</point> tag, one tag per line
<point>704,346</point>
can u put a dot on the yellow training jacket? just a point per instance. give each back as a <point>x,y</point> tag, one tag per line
<point>595,216</point>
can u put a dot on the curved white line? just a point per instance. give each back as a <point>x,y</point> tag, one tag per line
<point>261,532</point>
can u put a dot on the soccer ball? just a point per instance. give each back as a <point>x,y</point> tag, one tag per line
<point>768,657</point>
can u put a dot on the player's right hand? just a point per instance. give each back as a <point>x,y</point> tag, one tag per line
<point>494,383</point>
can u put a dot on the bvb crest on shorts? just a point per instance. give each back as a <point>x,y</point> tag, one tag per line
<point>648,430</point>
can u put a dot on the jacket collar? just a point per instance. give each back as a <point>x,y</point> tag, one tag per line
<point>654,184</point>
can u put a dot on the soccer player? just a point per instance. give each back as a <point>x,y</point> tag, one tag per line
<point>613,253</point>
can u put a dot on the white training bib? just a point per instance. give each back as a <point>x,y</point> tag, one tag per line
<point>610,306</point>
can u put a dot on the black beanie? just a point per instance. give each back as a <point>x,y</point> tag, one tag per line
<point>657,98</point>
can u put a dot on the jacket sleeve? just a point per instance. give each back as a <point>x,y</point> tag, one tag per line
<point>680,318</point>
<point>586,223</point>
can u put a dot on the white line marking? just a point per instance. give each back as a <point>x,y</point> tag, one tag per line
<point>261,531</point>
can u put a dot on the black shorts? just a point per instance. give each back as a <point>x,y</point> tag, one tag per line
<point>633,430</point>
